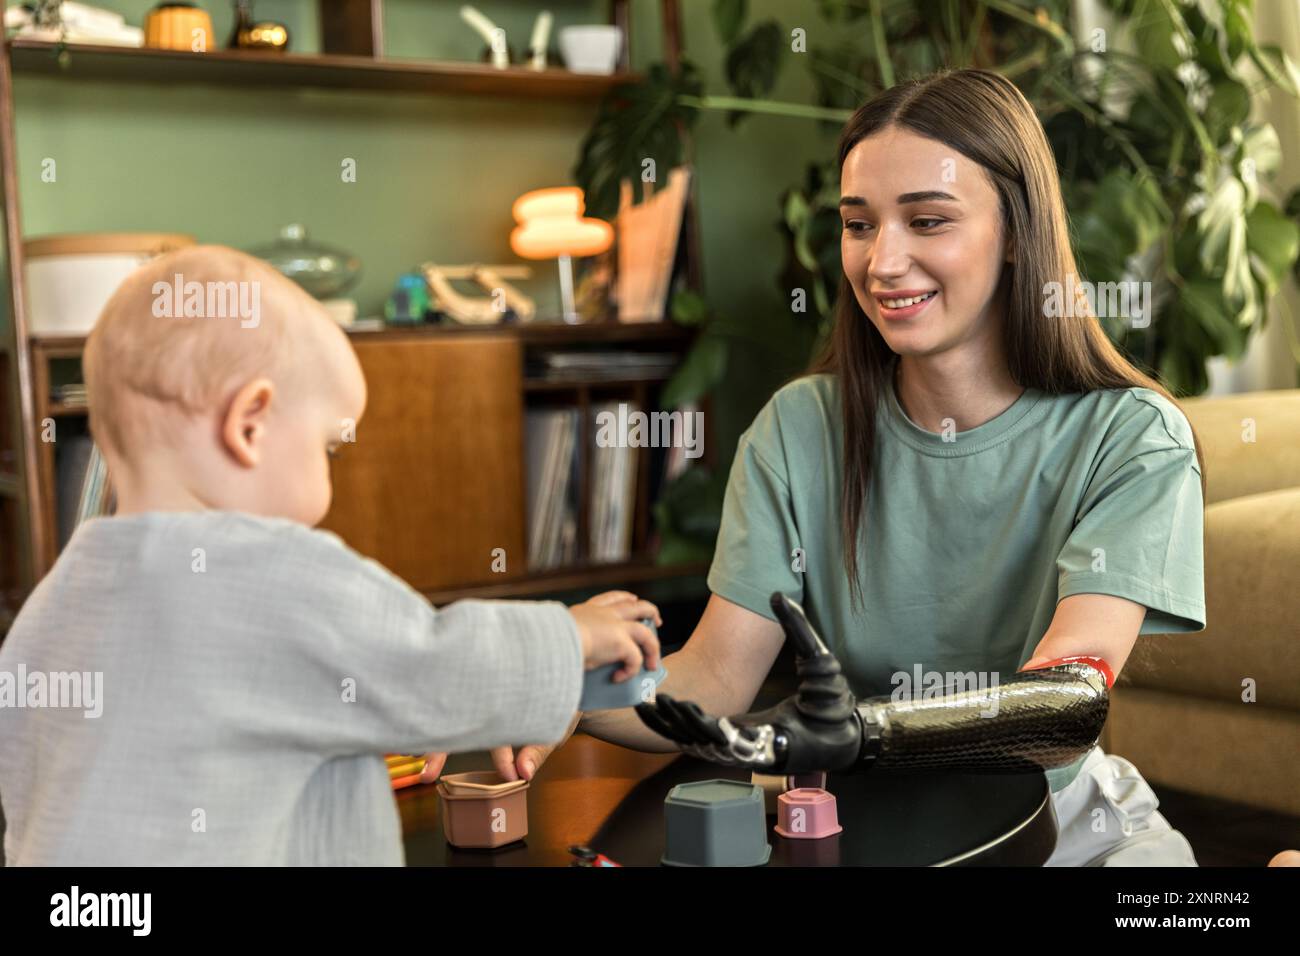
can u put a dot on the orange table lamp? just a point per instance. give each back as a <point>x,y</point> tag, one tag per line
<point>551,226</point>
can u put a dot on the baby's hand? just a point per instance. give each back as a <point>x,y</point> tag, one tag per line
<point>610,627</point>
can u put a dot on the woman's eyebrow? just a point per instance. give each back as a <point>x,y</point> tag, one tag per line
<point>930,195</point>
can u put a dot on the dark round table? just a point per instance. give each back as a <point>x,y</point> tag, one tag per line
<point>612,800</point>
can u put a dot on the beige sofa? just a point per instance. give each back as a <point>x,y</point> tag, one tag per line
<point>1178,711</point>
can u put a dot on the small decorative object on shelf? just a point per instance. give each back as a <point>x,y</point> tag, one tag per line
<point>591,49</point>
<point>59,22</point>
<point>500,54</point>
<point>537,58</point>
<point>178,26</point>
<point>251,34</point>
<point>408,303</point>
<point>595,288</point>
<point>497,51</point>
<point>322,270</point>
<point>504,303</point>
<point>70,277</point>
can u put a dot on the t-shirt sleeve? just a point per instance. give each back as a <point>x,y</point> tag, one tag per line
<point>757,541</point>
<point>1139,535</point>
<point>373,667</point>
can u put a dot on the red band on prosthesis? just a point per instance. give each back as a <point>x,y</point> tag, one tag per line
<point>1094,662</point>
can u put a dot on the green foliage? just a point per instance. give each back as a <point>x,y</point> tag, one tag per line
<point>636,122</point>
<point>752,64</point>
<point>688,515</point>
<point>699,372</point>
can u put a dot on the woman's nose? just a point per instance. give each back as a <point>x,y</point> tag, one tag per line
<point>888,258</point>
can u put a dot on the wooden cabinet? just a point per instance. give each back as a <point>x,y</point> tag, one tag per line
<point>434,481</point>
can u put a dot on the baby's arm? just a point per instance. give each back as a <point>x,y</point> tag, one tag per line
<point>351,660</point>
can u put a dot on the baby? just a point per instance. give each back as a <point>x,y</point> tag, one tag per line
<point>253,670</point>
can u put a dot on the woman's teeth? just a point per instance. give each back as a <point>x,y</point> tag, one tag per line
<point>904,303</point>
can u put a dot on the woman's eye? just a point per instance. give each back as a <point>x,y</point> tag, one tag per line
<point>928,222</point>
<point>857,227</point>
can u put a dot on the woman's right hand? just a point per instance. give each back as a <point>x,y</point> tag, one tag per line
<point>611,631</point>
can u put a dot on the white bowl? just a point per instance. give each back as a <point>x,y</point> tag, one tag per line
<point>591,49</point>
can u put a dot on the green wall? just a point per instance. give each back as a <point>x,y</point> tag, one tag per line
<point>436,174</point>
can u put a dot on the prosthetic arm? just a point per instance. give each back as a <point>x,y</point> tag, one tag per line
<point>1041,719</point>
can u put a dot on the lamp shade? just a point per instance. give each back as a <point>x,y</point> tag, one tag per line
<point>551,225</point>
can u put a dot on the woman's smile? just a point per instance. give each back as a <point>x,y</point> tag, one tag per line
<point>903,303</point>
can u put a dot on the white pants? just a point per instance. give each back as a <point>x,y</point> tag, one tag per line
<point>1107,816</point>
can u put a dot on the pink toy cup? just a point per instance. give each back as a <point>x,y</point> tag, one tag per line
<point>806,814</point>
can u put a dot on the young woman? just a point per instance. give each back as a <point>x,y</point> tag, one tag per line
<point>969,480</point>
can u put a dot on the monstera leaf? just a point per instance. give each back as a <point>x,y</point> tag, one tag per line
<point>728,15</point>
<point>636,122</point>
<point>753,63</point>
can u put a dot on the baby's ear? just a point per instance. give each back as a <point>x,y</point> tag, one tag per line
<point>245,422</point>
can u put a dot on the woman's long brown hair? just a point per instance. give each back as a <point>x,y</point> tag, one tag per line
<point>983,116</point>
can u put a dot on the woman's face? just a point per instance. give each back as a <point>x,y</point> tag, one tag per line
<point>922,241</point>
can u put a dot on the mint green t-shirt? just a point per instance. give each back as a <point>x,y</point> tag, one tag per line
<point>969,543</point>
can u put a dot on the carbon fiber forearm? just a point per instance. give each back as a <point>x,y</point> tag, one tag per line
<point>1041,719</point>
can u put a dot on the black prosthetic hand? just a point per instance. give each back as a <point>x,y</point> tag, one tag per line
<point>1040,719</point>
<point>816,729</point>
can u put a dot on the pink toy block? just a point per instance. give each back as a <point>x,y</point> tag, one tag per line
<point>807,814</point>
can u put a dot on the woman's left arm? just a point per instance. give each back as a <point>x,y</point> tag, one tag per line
<point>1091,625</point>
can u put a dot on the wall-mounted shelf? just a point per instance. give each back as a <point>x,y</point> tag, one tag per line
<point>331,70</point>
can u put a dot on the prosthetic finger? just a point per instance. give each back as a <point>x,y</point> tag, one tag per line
<point>806,641</point>
<point>752,745</point>
<point>697,726</point>
<point>650,716</point>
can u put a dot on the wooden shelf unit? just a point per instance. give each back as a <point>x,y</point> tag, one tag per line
<point>87,61</point>
<point>351,59</point>
<point>422,402</point>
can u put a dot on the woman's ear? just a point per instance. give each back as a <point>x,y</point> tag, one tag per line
<point>245,423</point>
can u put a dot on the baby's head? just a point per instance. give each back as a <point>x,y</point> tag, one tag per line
<point>215,382</point>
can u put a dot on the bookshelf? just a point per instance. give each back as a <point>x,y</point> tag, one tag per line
<point>411,480</point>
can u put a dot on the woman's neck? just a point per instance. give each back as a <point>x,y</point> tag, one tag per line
<point>967,388</point>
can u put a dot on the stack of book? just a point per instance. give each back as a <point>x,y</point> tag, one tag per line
<point>97,496</point>
<point>71,394</point>
<point>613,500</point>
<point>83,488</point>
<point>551,440</point>
<point>552,471</point>
<point>602,365</point>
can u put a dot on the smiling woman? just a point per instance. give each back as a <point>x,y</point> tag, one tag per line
<point>964,482</point>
